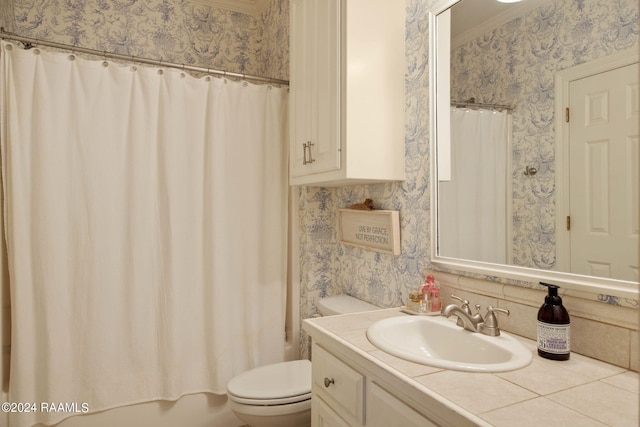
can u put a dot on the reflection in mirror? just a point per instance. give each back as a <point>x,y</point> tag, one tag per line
<point>523,186</point>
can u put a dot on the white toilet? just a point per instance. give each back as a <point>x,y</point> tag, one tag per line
<point>279,395</point>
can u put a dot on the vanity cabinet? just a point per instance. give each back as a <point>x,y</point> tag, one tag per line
<point>346,104</point>
<point>345,396</point>
<point>338,384</point>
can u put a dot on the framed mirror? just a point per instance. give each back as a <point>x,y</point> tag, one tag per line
<point>535,165</point>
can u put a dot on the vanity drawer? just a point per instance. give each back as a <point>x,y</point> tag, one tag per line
<point>339,384</point>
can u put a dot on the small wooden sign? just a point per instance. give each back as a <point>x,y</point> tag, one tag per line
<point>377,230</point>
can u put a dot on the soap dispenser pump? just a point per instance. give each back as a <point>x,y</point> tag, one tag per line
<point>553,327</point>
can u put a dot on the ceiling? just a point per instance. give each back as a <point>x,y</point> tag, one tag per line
<point>250,7</point>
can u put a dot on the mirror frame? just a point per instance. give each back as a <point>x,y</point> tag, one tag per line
<point>569,281</point>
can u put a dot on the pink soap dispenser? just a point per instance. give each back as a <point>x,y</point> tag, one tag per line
<point>427,291</point>
<point>436,304</point>
<point>433,289</point>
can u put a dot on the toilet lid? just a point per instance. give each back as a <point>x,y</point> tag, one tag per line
<point>343,304</point>
<point>288,381</point>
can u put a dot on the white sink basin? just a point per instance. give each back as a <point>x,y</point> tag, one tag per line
<point>439,342</point>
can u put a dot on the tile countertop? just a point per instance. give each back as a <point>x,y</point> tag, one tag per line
<point>578,392</point>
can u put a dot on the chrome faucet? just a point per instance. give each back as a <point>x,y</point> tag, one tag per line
<point>466,315</point>
<point>475,322</point>
<point>469,322</point>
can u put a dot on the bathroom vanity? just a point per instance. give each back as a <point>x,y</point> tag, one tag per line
<point>356,384</point>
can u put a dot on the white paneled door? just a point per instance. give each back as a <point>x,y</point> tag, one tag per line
<point>604,174</point>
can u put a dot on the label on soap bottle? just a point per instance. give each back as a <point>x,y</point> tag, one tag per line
<point>554,338</point>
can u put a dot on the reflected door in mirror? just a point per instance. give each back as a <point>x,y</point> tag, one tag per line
<point>603,145</point>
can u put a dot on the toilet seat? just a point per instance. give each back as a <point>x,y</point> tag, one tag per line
<point>276,384</point>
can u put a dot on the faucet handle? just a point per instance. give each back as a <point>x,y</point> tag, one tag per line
<point>491,310</point>
<point>490,325</point>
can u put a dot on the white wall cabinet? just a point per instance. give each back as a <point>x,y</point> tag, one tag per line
<point>344,396</point>
<point>347,101</point>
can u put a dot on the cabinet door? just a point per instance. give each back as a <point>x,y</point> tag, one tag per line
<point>385,410</point>
<point>323,416</point>
<point>338,384</point>
<point>314,109</point>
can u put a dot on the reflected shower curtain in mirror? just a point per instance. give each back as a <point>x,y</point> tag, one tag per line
<point>145,216</point>
<point>472,222</point>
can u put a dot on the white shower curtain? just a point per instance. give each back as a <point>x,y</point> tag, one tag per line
<point>145,215</point>
<point>472,218</point>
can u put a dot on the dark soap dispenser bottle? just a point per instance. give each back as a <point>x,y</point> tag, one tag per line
<point>553,327</point>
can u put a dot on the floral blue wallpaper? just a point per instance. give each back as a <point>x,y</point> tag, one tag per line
<point>516,64</point>
<point>170,30</point>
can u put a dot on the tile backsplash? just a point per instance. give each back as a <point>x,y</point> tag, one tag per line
<point>602,331</point>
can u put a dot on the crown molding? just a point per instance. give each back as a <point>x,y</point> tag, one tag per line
<point>249,7</point>
<point>518,9</point>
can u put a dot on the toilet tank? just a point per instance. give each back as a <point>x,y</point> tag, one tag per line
<point>343,304</point>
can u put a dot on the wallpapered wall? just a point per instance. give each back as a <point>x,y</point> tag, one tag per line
<point>170,30</point>
<point>516,64</point>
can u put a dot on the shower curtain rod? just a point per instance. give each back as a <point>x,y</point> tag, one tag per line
<point>471,103</point>
<point>31,42</point>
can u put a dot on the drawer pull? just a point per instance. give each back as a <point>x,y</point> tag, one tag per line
<point>328,382</point>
